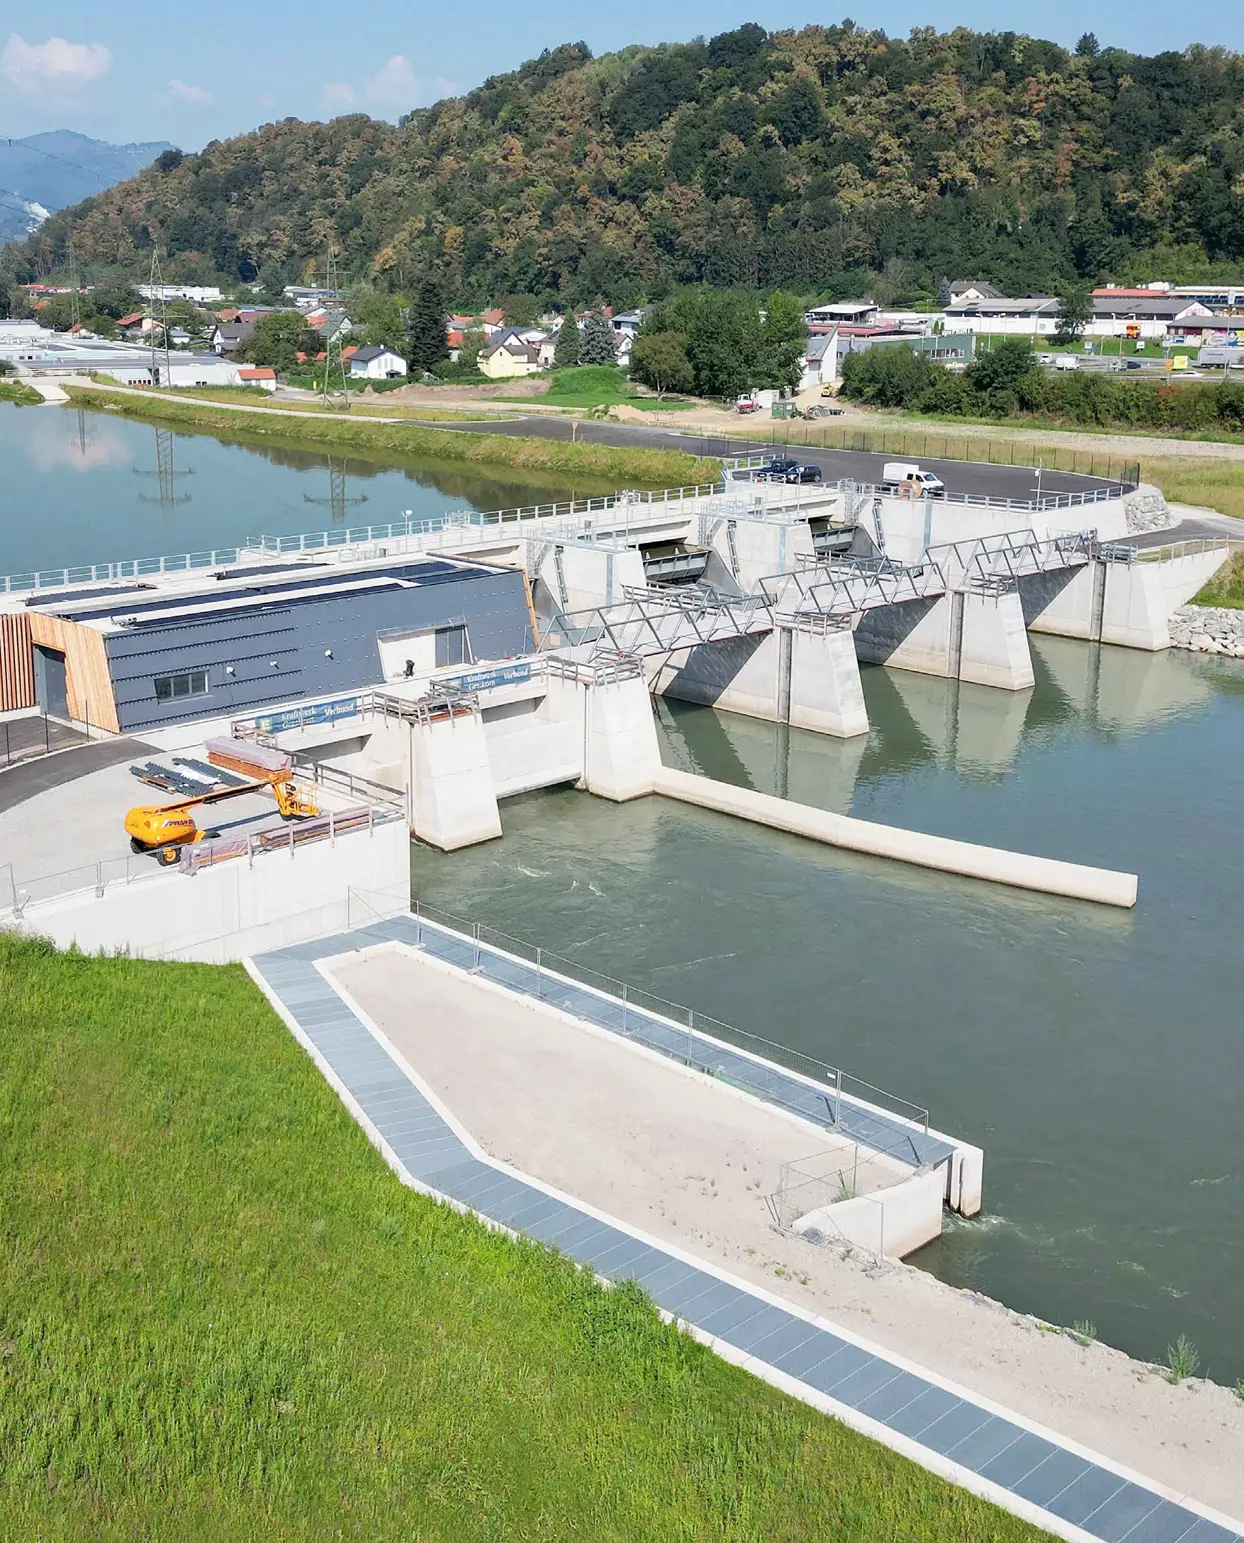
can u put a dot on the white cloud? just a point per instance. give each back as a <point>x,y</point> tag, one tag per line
<point>36,66</point>
<point>264,99</point>
<point>183,91</point>
<point>337,94</point>
<point>444,87</point>
<point>394,84</point>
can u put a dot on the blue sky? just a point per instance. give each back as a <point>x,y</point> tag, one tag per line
<point>141,70</point>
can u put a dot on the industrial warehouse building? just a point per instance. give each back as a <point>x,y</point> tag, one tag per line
<point>149,653</point>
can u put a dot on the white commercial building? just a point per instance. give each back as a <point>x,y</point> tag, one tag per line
<point>36,350</point>
<point>197,294</point>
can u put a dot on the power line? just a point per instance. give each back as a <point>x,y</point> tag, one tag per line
<point>24,144</point>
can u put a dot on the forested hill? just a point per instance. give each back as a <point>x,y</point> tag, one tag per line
<point>808,159</point>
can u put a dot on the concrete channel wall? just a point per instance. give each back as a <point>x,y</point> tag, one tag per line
<point>230,910</point>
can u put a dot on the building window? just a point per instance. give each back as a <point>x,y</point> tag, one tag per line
<point>191,683</point>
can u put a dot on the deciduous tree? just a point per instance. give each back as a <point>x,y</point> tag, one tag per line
<point>660,361</point>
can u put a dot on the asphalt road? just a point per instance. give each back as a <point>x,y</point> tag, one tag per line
<point>959,476</point>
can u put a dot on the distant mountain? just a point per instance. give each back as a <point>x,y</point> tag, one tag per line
<point>48,172</point>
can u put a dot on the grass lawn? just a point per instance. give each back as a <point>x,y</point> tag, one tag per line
<point>253,396</point>
<point>222,1317</point>
<point>1213,481</point>
<point>20,395</point>
<point>1226,588</point>
<point>600,385</point>
<point>610,464</point>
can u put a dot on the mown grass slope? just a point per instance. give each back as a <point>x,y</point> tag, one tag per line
<point>222,1317</point>
<point>624,467</point>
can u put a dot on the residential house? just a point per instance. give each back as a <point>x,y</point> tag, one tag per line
<point>228,336</point>
<point>820,359</point>
<point>330,324</point>
<point>261,375</point>
<point>509,357</point>
<point>374,363</point>
<point>626,325</point>
<point>974,289</point>
<point>453,341</point>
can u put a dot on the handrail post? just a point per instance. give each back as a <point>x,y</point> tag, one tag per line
<point>539,975</point>
<point>838,1098</point>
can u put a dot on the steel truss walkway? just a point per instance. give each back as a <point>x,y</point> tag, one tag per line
<point>950,1430</point>
<point>657,620</point>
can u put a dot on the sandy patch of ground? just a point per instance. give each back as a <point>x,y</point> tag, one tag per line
<point>690,1162</point>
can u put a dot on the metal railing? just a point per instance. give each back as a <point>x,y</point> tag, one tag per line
<point>1040,503</point>
<point>86,574</point>
<point>824,1093</point>
<point>1121,552</point>
<point>23,738</point>
<point>103,877</point>
<point>917,444</point>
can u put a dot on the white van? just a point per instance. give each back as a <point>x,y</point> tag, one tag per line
<point>909,481</point>
<point>1066,362</point>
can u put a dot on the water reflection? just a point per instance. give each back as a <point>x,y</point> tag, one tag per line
<point>1082,690</point>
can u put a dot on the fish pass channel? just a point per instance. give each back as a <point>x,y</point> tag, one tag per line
<point>1094,1054</point>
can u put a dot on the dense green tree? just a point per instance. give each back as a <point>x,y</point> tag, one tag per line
<point>783,340</point>
<point>659,360</point>
<point>598,343</point>
<point>566,351</point>
<point>113,299</point>
<point>1075,311</point>
<point>427,346</point>
<point>278,339</point>
<point>473,340</point>
<point>816,160</point>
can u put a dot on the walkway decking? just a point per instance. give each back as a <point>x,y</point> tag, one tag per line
<point>1034,1473</point>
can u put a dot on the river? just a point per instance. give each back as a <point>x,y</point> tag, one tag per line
<point>1094,1054</point>
<point>85,487</point>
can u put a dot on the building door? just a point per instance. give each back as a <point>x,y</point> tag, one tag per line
<point>50,683</point>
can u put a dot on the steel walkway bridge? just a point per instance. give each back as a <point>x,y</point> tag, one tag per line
<point>657,619</point>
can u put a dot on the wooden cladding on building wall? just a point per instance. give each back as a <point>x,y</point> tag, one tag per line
<point>17,667</point>
<point>88,684</point>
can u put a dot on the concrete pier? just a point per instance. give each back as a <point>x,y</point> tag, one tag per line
<point>1017,869</point>
<point>979,638</point>
<point>808,679</point>
<point>1126,603</point>
<point>452,800</point>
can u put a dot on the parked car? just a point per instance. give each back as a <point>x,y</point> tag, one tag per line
<point>784,470</point>
<point>909,481</point>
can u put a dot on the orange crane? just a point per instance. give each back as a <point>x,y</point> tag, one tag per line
<point>165,828</point>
